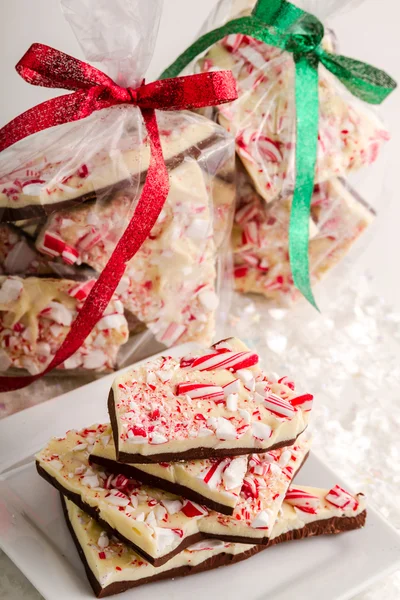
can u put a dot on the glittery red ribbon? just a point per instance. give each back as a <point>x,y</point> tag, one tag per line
<point>93,91</point>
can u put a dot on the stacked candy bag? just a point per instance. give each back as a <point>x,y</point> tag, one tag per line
<point>68,193</point>
<point>262,119</point>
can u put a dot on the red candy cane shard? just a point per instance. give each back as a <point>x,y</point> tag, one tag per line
<point>302,500</point>
<point>52,244</point>
<point>202,391</point>
<point>191,509</point>
<point>278,406</point>
<point>286,381</point>
<point>338,497</point>
<point>305,402</point>
<point>225,360</point>
<point>82,290</point>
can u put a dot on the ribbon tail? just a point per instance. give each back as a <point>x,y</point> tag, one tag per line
<point>364,81</point>
<point>306,93</point>
<point>149,206</point>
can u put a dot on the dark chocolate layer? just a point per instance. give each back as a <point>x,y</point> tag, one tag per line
<point>173,488</point>
<point>191,454</point>
<point>330,526</point>
<point>8,213</point>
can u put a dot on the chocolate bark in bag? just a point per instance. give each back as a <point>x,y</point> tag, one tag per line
<point>72,190</point>
<point>260,236</point>
<point>262,119</point>
<point>36,315</point>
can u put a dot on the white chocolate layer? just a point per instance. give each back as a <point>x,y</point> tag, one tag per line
<point>155,414</point>
<point>219,480</point>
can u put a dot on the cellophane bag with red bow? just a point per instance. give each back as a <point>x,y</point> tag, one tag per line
<point>68,193</point>
<point>262,120</point>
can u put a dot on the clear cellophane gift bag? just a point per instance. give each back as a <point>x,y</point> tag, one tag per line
<point>68,193</point>
<point>263,120</point>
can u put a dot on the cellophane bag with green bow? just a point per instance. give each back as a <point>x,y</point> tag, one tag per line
<point>263,120</point>
<point>68,193</point>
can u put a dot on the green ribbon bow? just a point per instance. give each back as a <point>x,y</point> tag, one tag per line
<point>281,24</point>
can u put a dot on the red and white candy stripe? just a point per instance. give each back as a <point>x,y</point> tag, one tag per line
<point>305,402</point>
<point>302,500</point>
<point>341,499</point>
<point>51,244</point>
<point>82,290</point>
<point>225,360</point>
<point>203,391</point>
<point>247,213</point>
<point>278,406</point>
<point>191,509</point>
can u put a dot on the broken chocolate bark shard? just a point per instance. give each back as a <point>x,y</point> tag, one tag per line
<point>214,403</point>
<point>99,180</point>
<point>156,524</point>
<point>112,568</point>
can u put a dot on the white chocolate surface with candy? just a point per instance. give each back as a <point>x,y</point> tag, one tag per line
<point>260,237</point>
<point>112,561</point>
<point>36,315</point>
<point>218,399</point>
<point>262,119</point>
<point>158,522</point>
<point>219,480</point>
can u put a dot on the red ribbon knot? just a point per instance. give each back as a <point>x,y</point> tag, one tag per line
<point>93,90</point>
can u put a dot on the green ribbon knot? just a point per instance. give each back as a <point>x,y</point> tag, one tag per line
<point>281,24</point>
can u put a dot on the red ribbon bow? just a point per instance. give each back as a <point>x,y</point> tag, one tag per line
<point>93,91</point>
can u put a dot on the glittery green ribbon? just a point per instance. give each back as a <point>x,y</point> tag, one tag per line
<point>281,24</point>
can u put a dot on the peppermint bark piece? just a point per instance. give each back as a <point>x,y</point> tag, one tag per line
<point>262,119</point>
<point>150,521</point>
<point>112,567</point>
<point>36,315</point>
<point>18,256</point>
<point>57,185</point>
<point>260,237</point>
<point>214,483</point>
<point>217,402</point>
<point>169,285</point>
<point>156,524</point>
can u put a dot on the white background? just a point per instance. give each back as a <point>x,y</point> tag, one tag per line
<point>369,32</point>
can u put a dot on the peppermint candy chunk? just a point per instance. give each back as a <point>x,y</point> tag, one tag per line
<point>338,497</point>
<point>261,431</point>
<point>213,475</point>
<point>225,360</point>
<point>287,381</point>
<point>278,406</point>
<point>234,473</point>
<point>117,498</point>
<point>202,391</point>
<point>51,244</point>
<point>193,510</point>
<point>302,500</point>
<point>305,402</point>
<point>233,387</point>
<point>261,521</point>
<point>224,430</point>
<point>82,290</point>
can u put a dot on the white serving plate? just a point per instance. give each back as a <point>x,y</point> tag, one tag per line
<point>34,535</point>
